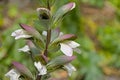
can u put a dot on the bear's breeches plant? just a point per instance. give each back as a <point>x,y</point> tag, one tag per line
<point>42,43</point>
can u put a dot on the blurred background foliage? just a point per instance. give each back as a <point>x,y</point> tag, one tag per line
<point>95,22</point>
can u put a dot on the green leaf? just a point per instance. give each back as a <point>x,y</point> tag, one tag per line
<point>39,26</point>
<point>63,10</point>
<point>53,48</point>
<point>51,2</point>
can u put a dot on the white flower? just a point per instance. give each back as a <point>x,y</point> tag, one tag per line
<point>70,68</point>
<point>68,47</point>
<point>44,33</point>
<point>24,49</point>
<point>13,74</point>
<point>20,33</point>
<point>42,69</point>
<point>60,34</point>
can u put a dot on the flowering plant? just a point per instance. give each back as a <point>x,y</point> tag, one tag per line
<point>42,43</point>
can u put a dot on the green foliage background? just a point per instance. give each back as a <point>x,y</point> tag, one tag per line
<point>99,42</point>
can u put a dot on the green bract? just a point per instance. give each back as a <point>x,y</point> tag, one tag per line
<point>62,11</point>
<point>23,70</point>
<point>58,62</point>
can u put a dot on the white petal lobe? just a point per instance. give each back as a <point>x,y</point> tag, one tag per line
<point>67,50</point>
<point>38,65</point>
<point>77,50</point>
<point>70,68</point>
<point>20,33</point>
<point>44,33</point>
<point>13,74</point>
<point>42,69</point>
<point>24,49</point>
<point>73,44</point>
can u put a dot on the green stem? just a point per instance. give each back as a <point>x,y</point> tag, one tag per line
<point>47,42</point>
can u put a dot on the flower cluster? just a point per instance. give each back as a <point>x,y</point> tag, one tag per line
<point>39,46</point>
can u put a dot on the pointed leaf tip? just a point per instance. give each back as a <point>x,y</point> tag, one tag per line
<point>70,5</point>
<point>27,28</point>
<point>30,29</point>
<point>63,10</point>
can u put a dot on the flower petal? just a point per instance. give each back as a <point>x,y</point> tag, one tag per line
<point>20,33</point>
<point>38,65</point>
<point>24,49</point>
<point>61,34</point>
<point>70,68</point>
<point>77,50</point>
<point>67,50</point>
<point>13,74</point>
<point>44,33</point>
<point>42,69</point>
<point>72,44</point>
